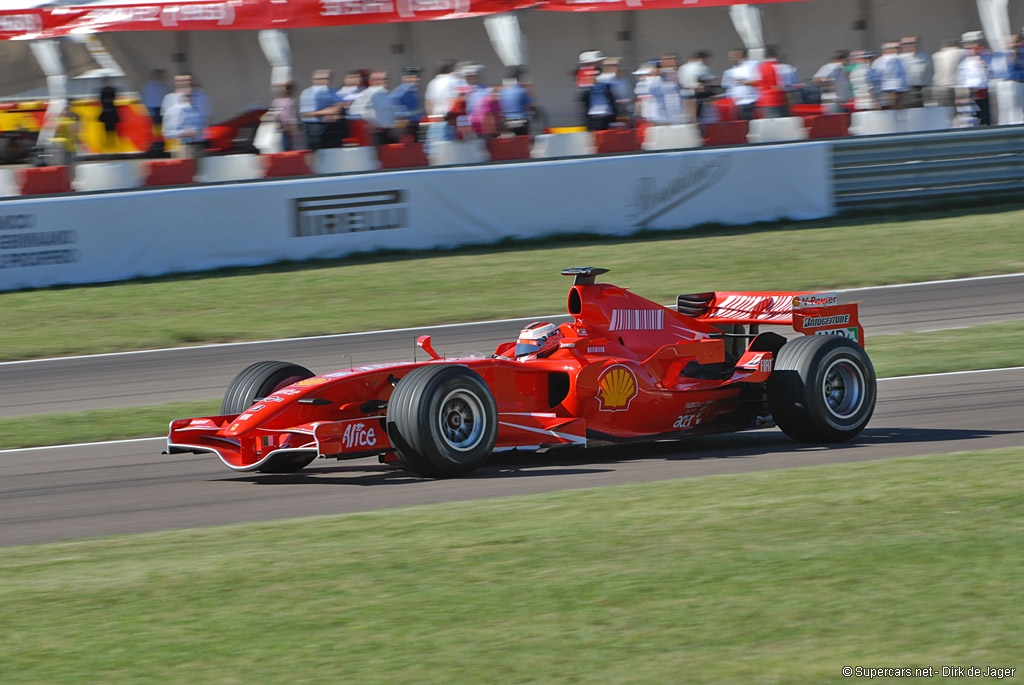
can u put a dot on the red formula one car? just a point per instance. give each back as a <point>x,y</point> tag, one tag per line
<point>624,370</point>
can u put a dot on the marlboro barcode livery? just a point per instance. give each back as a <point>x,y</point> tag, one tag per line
<point>625,369</point>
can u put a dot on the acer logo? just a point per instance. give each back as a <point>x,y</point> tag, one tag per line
<point>358,435</point>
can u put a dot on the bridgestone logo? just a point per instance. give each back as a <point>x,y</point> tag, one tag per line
<point>819,321</point>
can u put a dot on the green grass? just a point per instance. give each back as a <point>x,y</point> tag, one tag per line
<point>507,280</point>
<point>782,576</point>
<point>979,347</point>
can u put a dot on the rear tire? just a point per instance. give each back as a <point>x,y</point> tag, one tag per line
<point>822,389</point>
<point>442,420</point>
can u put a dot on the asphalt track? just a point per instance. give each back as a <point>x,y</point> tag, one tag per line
<point>131,380</point>
<point>73,492</point>
<point>83,491</point>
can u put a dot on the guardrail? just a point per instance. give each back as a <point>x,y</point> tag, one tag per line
<point>886,170</point>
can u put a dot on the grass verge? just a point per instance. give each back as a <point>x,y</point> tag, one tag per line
<point>509,279</point>
<point>979,347</point>
<point>783,576</point>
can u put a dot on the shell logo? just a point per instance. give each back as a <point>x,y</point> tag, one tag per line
<point>618,388</point>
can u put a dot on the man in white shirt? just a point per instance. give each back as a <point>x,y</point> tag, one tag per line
<point>972,77</point>
<point>694,78</point>
<point>835,86</point>
<point>917,65</point>
<point>738,82</point>
<point>375,108</point>
<point>441,91</point>
<point>184,124</point>
<point>893,75</point>
<point>946,61</point>
<point>185,83</point>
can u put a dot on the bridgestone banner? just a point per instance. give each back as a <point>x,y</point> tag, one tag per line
<point>148,232</point>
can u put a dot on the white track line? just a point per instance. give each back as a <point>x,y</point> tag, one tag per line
<point>119,442</point>
<point>447,325</point>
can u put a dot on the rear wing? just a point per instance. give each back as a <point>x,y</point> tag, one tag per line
<point>810,313</point>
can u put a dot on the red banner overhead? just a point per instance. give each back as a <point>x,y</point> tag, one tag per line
<point>618,5</point>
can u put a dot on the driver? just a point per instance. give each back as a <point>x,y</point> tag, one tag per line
<point>538,337</point>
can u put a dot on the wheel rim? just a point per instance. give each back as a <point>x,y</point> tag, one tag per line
<point>461,420</point>
<point>842,387</point>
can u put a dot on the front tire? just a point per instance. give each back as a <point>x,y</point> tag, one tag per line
<point>254,383</point>
<point>823,389</point>
<point>442,420</point>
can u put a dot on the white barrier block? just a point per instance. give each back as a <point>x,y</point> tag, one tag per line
<point>340,160</point>
<point>873,123</point>
<point>924,119</point>
<point>229,168</point>
<point>8,183</point>
<point>777,130</point>
<point>576,144</point>
<point>672,137</point>
<point>106,176</point>
<point>458,152</point>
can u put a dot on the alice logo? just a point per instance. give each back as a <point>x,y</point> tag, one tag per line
<point>618,388</point>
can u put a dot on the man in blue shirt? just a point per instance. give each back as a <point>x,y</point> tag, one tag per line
<point>516,103</point>
<point>408,102</point>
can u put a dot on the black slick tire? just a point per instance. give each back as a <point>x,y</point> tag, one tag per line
<point>822,389</point>
<point>258,380</point>
<point>442,420</point>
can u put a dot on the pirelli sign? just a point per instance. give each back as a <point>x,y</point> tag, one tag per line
<point>354,213</point>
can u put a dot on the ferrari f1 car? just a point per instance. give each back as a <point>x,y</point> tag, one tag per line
<point>626,369</point>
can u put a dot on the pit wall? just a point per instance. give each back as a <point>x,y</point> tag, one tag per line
<point>120,235</point>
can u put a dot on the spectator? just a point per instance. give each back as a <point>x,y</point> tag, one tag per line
<point>516,103</point>
<point>353,86</point>
<point>695,79</point>
<point>184,123</point>
<point>407,103</point>
<point>772,99</point>
<point>1015,83</point>
<point>672,97</point>
<point>650,105</point>
<point>374,107</point>
<point>945,62</point>
<point>864,82</point>
<point>331,111</point>
<point>153,94</point>
<point>600,101</point>
<point>1002,85</point>
<point>441,91</point>
<point>285,113</point>
<point>587,69</point>
<point>972,76</point>
<point>63,144</point>
<point>187,83</point>
<point>917,66</point>
<point>893,77</point>
<point>485,116</point>
<point>738,82</point>
<point>312,125</point>
<point>109,116</point>
<point>835,87</point>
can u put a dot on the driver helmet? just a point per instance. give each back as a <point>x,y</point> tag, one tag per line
<point>539,336</point>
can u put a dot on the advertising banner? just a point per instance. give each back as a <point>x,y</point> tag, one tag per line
<point>147,232</point>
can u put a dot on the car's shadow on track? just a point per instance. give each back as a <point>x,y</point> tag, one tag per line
<point>573,461</point>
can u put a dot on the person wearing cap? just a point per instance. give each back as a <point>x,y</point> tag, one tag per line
<point>587,68</point>
<point>972,76</point>
<point>893,75</point>
<point>918,68</point>
<point>945,63</point>
<point>600,100</point>
<point>864,82</point>
<point>407,103</point>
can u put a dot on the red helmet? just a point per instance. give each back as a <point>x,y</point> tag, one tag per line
<point>539,336</point>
